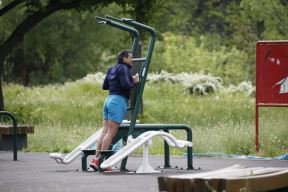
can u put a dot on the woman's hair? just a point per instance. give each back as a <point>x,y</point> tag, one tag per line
<point>122,54</point>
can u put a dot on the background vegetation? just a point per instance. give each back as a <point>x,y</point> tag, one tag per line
<point>212,38</point>
<point>223,121</point>
<point>216,37</point>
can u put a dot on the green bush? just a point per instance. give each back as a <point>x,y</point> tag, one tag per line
<point>178,54</point>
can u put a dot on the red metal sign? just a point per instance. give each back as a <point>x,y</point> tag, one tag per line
<point>271,77</point>
<point>272,73</point>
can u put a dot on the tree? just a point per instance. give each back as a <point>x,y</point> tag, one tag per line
<point>39,10</point>
<point>234,23</point>
<point>65,46</point>
<point>36,12</point>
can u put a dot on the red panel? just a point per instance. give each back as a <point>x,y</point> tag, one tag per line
<point>272,73</point>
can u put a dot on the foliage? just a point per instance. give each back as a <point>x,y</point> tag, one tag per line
<point>216,37</point>
<point>64,115</point>
<point>35,12</point>
<point>192,83</point>
<point>237,23</point>
<point>178,54</point>
<point>245,87</point>
<point>55,58</point>
<point>210,38</point>
<point>53,64</point>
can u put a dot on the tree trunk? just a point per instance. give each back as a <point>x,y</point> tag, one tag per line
<point>1,93</point>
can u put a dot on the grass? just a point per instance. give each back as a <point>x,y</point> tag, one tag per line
<point>66,114</point>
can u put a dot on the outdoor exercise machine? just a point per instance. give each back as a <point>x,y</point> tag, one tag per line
<point>128,131</point>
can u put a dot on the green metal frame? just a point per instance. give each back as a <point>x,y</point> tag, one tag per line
<point>141,128</point>
<point>126,130</point>
<point>14,121</point>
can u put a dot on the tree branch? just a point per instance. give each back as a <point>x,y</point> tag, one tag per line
<point>27,24</point>
<point>10,6</point>
<point>31,21</point>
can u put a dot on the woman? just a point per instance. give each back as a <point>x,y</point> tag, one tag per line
<point>119,82</point>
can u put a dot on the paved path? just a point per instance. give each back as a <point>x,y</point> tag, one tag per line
<point>36,172</point>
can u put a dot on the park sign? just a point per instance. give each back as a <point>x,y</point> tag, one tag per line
<point>272,73</point>
<point>271,77</point>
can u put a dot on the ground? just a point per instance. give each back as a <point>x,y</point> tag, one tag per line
<point>38,172</point>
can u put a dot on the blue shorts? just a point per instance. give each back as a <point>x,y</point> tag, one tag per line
<point>115,108</point>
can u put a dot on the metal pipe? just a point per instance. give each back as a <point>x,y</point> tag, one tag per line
<point>113,18</point>
<point>143,76</point>
<point>139,59</point>
<point>13,118</point>
<point>166,152</point>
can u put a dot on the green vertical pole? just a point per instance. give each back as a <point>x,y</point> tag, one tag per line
<point>189,149</point>
<point>166,153</point>
<point>143,75</point>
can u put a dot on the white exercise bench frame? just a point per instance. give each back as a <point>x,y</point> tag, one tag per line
<point>88,143</point>
<point>143,140</point>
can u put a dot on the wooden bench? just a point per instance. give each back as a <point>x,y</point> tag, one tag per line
<point>234,178</point>
<point>6,139</point>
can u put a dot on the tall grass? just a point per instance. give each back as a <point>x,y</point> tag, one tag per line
<point>63,115</point>
<point>66,114</point>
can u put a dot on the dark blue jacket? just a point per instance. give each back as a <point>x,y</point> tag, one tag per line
<point>119,80</point>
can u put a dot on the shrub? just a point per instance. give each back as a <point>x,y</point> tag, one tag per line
<point>198,84</point>
<point>177,54</point>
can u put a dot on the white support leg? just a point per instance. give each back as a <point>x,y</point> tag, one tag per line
<point>143,140</point>
<point>145,167</point>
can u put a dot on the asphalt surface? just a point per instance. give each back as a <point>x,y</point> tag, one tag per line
<point>38,172</point>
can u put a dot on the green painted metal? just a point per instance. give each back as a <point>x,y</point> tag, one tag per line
<point>144,73</point>
<point>13,118</point>
<point>167,152</point>
<point>143,76</point>
<point>126,130</point>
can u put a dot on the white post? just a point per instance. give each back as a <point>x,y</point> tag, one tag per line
<point>145,167</point>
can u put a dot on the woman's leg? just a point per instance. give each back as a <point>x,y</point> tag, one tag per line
<point>100,140</point>
<point>110,134</point>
